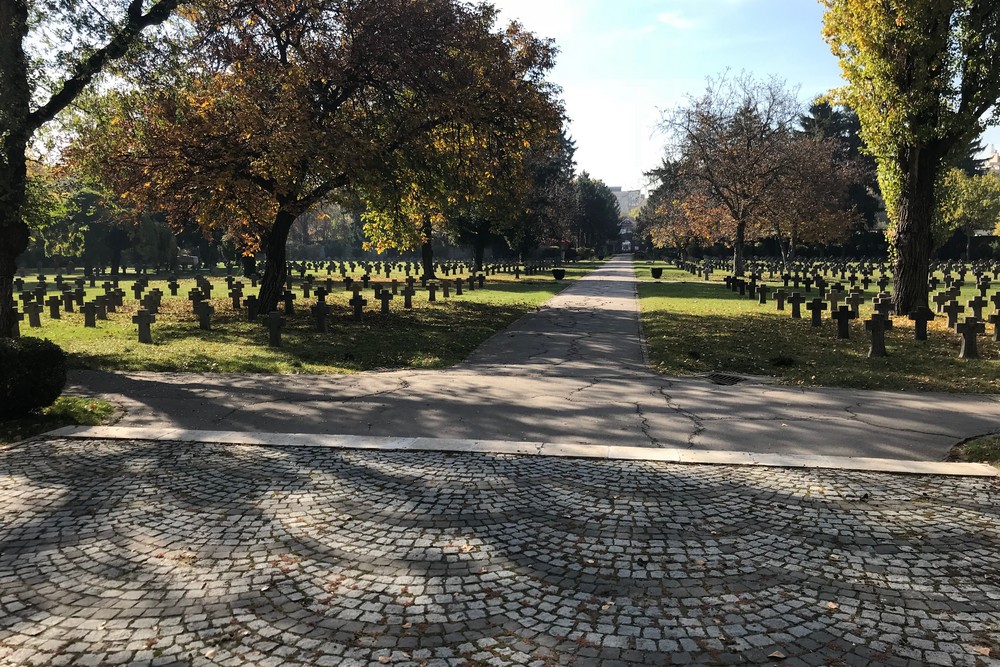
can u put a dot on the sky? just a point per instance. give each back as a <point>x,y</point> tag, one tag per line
<point>622,63</point>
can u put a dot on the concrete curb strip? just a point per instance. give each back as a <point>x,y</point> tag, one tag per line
<point>562,450</point>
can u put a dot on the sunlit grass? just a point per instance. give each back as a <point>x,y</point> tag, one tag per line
<point>430,335</point>
<point>698,327</point>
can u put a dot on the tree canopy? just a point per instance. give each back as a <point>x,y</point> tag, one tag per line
<point>739,169</point>
<point>275,107</point>
<point>922,76</point>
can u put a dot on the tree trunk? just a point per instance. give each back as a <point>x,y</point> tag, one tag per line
<point>427,248</point>
<point>783,245</point>
<point>739,265</point>
<point>912,242</point>
<point>479,251</point>
<point>15,95</point>
<point>272,283</point>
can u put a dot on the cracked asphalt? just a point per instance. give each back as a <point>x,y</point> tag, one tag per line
<point>573,372</point>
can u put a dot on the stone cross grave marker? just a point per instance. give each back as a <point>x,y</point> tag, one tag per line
<point>779,298</point>
<point>920,317</point>
<point>358,302</point>
<point>143,319</point>
<point>89,311</point>
<point>877,326</point>
<point>796,300</point>
<point>67,301</point>
<point>33,310</point>
<point>275,323</point>
<point>816,308</point>
<point>385,296</point>
<point>976,305</point>
<point>762,290</point>
<point>101,307</point>
<point>994,319</point>
<point>289,299</point>
<point>320,312</point>
<point>253,307</point>
<point>408,296</point>
<point>952,310</point>
<point>205,312</point>
<point>55,304</point>
<point>843,315</point>
<point>855,300</point>
<point>458,286</point>
<point>969,329</point>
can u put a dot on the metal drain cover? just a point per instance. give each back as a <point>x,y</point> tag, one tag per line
<point>724,379</point>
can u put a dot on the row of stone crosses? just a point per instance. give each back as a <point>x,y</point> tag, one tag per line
<point>70,295</point>
<point>844,302</point>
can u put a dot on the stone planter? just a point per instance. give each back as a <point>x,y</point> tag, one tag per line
<point>558,274</point>
<point>657,272</point>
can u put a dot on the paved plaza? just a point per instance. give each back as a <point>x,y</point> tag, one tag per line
<point>172,553</point>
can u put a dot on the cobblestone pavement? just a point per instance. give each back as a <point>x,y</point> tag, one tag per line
<point>164,553</point>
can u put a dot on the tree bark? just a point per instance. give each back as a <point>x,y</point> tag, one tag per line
<point>479,251</point>
<point>272,283</point>
<point>739,265</point>
<point>427,248</point>
<point>912,242</point>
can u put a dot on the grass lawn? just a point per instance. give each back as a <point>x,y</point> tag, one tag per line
<point>982,450</point>
<point>431,335</point>
<point>697,327</point>
<point>66,411</point>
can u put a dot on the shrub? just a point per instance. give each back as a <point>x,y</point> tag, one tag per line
<point>32,375</point>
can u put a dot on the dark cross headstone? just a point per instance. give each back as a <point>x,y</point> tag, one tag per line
<point>779,298</point>
<point>941,300</point>
<point>445,289</point>
<point>137,289</point>
<point>358,302</point>
<point>55,304</point>
<point>205,312</point>
<point>762,290</point>
<point>482,281</point>
<point>796,300</point>
<point>174,286</point>
<point>33,310</point>
<point>969,329</point>
<point>854,300</point>
<point>89,310</point>
<point>816,308</point>
<point>835,296</point>
<point>952,310</point>
<point>882,305</point>
<point>320,312</point>
<point>877,326</point>
<point>385,296</point>
<point>144,318</point>
<point>843,315</point>
<point>994,319</point>
<point>472,283</point>
<point>236,295</point>
<point>431,292</point>
<point>883,283</point>
<point>253,307</point>
<point>289,299</point>
<point>976,305</point>
<point>275,322</point>
<point>458,286</point>
<point>408,296</point>
<point>920,317</point>
<point>101,302</point>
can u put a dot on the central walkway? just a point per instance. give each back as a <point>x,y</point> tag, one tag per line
<point>571,373</point>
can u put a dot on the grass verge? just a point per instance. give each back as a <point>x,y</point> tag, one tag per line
<point>66,411</point>
<point>699,327</point>
<point>430,335</point>
<point>980,450</point>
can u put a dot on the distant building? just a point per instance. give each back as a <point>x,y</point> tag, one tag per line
<point>992,163</point>
<point>627,199</point>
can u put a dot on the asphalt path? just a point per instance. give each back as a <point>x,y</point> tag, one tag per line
<point>573,372</point>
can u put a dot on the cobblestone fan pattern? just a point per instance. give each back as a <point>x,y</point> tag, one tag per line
<point>138,553</point>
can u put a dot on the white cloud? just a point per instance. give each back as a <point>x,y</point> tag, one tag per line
<point>546,18</point>
<point>675,20</point>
